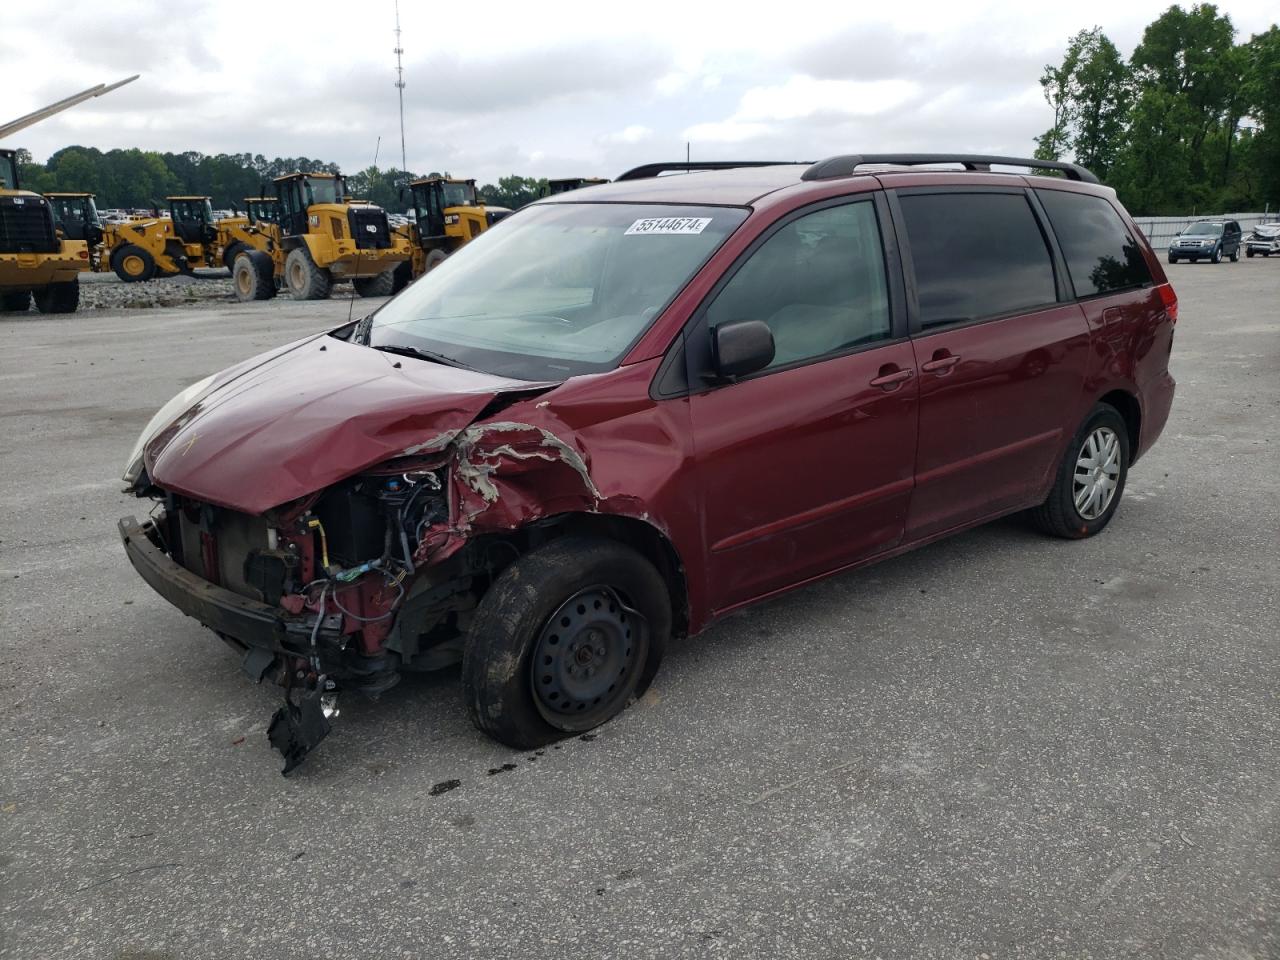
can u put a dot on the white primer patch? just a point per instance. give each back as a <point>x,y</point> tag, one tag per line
<point>682,226</point>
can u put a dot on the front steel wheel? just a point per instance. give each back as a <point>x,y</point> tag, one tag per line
<point>563,640</point>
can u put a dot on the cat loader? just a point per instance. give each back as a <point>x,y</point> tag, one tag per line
<point>36,261</point>
<point>319,236</point>
<point>164,246</point>
<point>447,215</point>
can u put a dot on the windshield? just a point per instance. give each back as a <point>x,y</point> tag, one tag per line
<point>8,172</point>
<point>1203,230</point>
<point>558,290</point>
<point>325,190</point>
<point>459,194</point>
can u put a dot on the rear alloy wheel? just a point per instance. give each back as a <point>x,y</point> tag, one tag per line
<point>253,276</point>
<point>1235,255</point>
<point>19,302</point>
<point>305,280</point>
<point>59,297</point>
<point>564,640</point>
<point>1090,479</point>
<point>379,286</point>
<point>132,264</point>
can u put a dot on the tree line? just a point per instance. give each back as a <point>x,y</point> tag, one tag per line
<point>140,179</point>
<point>1190,122</point>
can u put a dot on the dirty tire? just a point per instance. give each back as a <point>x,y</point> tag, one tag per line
<point>132,264</point>
<point>252,276</point>
<point>401,276</point>
<point>58,297</point>
<point>379,286</point>
<point>305,280</point>
<point>1058,515</point>
<point>230,254</point>
<point>498,673</point>
<point>19,302</point>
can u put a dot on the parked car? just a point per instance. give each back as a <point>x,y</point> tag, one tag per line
<point>606,423</point>
<point>1207,239</point>
<point>1264,240</point>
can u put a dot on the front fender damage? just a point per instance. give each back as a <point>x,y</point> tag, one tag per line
<point>506,474</point>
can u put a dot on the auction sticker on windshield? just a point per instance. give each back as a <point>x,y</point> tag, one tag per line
<point>669,225</point>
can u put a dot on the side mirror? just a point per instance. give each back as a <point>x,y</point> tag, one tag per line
<point>741,348</point>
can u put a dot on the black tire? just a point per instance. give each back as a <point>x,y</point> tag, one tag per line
<point>1217,255</point>
<point>229,255</point>
<point>59,297</point>
<point>379,286</point>
<point>401,276</point>
<point>1249,253</point>
<point>1235,255</point>
<point>132,264</point>
<point>434,259</point>
<point>305,280</point>
<point>1172,258</point>
<point>1059,515</point>
<point>253,276</point>
<point>19,302</point>
<point>513,621</point>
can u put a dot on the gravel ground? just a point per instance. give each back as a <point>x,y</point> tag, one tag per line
<point>204,288</point>
<point>998,746</point>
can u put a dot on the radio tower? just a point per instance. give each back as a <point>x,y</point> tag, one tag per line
<point>404,166</point>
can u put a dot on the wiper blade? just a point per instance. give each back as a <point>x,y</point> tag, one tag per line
<point>404,350</point>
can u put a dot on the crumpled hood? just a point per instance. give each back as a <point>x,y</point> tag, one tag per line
<point>283,427</point>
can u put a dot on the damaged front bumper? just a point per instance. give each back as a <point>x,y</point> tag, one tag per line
<point>246,624</point>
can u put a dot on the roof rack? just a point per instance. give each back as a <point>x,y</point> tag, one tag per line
<point>847,164</point>
<point>654,169</point>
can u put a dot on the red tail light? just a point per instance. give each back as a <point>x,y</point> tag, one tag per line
<point>1170,300</point>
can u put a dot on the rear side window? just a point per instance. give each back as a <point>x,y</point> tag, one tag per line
<point>1102,255</point>
<point>976,255</point>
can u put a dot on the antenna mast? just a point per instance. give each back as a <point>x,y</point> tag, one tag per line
<point>404,166</point>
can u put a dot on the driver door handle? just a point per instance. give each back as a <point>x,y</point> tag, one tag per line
<point>889,379</point>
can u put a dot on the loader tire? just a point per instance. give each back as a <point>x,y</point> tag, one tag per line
<point>401,276</point>
<point>59,297</point>
<point>178,254</point>
<point>230,254</point>
<point>253,276</point>
<point>132,264</point>
<point>19,302</point>
<point>379,286</point>
<point>305,280</point>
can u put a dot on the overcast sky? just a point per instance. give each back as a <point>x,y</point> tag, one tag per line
<point>550,88</point>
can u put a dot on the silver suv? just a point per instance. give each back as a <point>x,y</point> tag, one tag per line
<point>1208,239</point>
<point>1265,240</point>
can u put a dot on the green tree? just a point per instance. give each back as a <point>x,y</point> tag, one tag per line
<point>1089,93</point>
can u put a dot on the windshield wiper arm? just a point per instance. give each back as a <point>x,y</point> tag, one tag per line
<point>404,350</point>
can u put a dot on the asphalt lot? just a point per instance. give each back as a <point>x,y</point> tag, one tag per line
<point>1000,745</point>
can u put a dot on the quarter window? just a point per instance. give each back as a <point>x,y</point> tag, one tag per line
<point>1102,255</point>
<point>818,282</point>
<point>976,255</point>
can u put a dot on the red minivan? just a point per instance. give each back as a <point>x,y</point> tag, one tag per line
<point>632,408</point>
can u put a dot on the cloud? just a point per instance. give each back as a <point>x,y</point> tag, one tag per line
<point>636,133</point>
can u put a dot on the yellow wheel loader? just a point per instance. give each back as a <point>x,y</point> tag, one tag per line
<point>36,261</point>
<point>319,236</point>
<point>165,246</point>
<point>447,214</point>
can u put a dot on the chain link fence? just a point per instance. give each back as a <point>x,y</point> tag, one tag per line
<point>1161,230</point>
